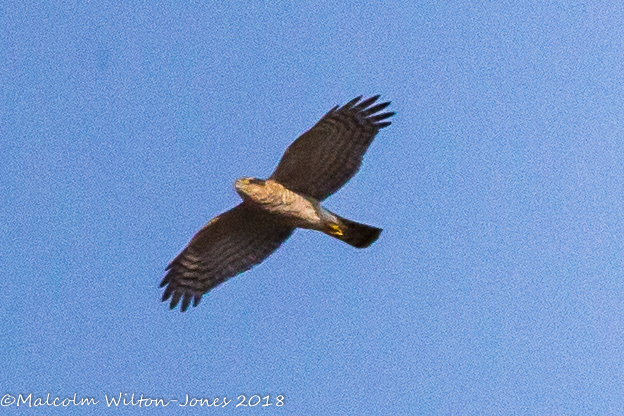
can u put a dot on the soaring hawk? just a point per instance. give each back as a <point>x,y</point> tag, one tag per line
<point>315,166</point>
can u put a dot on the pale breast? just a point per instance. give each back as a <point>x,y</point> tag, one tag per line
<point>279,200</point>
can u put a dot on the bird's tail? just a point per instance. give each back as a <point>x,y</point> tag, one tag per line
<point>353,233</point>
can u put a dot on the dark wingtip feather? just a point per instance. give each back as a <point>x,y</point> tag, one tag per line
<point>361,106</point>
<point>375,109</point>
<point>186,301</point>
<point>165,280</point>
<point>171,263</point>
<point>187,298</point>
<point>197,299</point>
<point>175,299</point>
<point>167,294</point>
<point>352,102</point>
<point>382,116</point>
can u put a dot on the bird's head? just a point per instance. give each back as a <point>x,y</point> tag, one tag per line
<point>249,187</point>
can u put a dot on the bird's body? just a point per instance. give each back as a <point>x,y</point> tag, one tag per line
<point>315,166</point>
<point>299,211</point>
<point>296,210</point>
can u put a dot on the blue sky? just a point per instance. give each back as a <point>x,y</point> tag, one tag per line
<point>495,288</point>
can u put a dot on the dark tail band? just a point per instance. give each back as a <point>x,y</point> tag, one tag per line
<point>354,233</point>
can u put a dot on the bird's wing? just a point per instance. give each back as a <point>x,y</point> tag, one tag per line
<point>325,157</point>
<point>229,244</point>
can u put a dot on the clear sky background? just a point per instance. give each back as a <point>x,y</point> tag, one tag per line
<point>496,287</point>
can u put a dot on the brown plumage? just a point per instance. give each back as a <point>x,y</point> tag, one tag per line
<point>229,244</point>
<point>325,157</point>
<point>315,166</point>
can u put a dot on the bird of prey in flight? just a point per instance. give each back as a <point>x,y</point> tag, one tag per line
<point>315,166</point>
